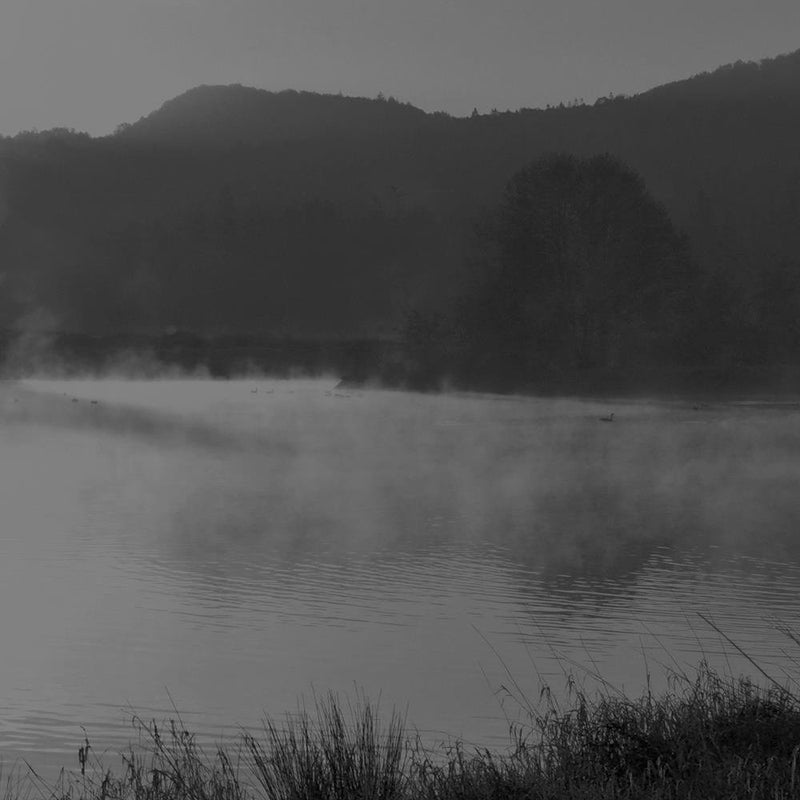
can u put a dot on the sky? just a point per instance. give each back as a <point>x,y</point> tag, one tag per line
<point>92,64</point>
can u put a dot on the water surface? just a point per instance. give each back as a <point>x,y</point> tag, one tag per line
<point>230,547</point>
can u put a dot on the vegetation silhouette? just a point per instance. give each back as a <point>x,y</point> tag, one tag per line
<point>582,268</point>
<point>236,212</point>
<point>711,735</point>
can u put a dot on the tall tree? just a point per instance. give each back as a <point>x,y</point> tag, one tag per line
<point>583,268</point>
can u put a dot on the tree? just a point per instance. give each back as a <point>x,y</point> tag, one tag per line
<point>582,268</point>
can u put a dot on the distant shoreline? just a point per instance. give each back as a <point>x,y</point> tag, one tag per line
<point>368,363</point>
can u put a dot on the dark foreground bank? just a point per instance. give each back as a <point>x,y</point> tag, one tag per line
<point>709,737</point>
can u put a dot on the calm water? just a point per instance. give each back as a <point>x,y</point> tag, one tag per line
<point>231,547</point>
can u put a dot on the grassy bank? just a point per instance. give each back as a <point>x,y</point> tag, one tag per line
<point>709,737</point>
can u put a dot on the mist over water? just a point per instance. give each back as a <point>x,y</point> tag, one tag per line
<point>232,546</point>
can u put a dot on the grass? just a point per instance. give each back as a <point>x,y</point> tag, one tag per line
<point>710,736</point>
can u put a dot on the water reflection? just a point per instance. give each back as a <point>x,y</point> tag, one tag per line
<point>232,549</point>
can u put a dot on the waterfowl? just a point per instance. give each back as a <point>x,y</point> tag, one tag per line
<point>608,418</point>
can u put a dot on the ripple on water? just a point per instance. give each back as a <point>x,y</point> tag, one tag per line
<point>423,548</point>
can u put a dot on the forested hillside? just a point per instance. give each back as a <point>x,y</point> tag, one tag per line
<point>238,211</point>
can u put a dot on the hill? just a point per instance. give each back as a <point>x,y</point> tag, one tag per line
<point>235,210</point>
<point>230,116</point>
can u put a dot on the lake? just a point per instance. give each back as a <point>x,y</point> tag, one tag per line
<point>225,549</point>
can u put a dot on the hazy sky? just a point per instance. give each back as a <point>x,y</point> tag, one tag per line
<point>91,64</point>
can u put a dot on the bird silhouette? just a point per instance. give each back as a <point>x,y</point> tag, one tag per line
<point>609,418</point>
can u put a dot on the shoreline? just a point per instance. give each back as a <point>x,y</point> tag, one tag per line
<point>364,362</point>
<point>710,735</point>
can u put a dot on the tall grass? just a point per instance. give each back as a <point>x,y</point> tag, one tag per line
<point>343,753</point>
<point>708,736</point>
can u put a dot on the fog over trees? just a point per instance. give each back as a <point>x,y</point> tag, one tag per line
<point>652,231</point>
<point>586,270</point>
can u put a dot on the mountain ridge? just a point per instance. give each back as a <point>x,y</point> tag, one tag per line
<point>236,114</point>
<point>277,114</point>
<point>343,214</point>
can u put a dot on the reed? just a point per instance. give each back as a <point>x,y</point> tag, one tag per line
<point>342,753</point>
<point>708,736</point>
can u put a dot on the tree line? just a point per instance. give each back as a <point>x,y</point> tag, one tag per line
<point>579,269</point>
<point>238,212</point>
